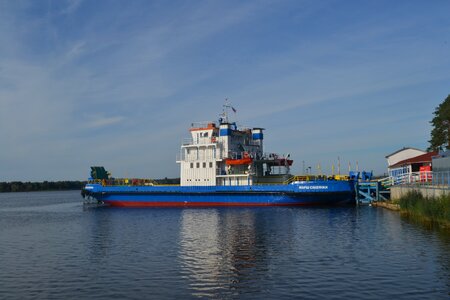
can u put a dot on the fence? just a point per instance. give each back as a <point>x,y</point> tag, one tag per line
<point>428,178</point>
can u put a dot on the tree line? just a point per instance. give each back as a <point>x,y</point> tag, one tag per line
<point>19,186</point>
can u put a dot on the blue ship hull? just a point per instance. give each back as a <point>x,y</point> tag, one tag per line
<point>301,193</point>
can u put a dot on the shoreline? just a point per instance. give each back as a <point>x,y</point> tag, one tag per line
<point>442,224</point>
<point>387,205</point>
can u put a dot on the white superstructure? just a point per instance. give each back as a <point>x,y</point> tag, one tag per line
<point>218,153</point>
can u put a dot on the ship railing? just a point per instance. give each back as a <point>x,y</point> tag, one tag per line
<point>297,178</point>
<point>339,177</point>
<point>186,141</point>
<point>223,172</point>
<point>242,154</point>
<point>216,155</point>
<point>128,182</point>
<point>252,143</point>
<point>310,177</point>
<point>181,157</point>
<point>199,141</point>
<point>273,156</point>
<point>202,124</point>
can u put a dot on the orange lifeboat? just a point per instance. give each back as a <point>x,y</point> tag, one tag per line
<point>246,160</point>
<point>242,161</point>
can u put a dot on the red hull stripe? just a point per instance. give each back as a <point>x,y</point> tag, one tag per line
<point>196,204</point>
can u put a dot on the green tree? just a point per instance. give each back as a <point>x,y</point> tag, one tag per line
<point>440,134</point>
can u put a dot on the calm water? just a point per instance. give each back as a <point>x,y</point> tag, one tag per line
<point>53,248</point>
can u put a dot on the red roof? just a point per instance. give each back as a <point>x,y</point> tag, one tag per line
<point>423,158</point>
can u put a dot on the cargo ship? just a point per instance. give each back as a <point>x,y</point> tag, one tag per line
<point>222,164</point>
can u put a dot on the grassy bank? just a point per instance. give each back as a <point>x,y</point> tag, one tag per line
<point>429,209</point>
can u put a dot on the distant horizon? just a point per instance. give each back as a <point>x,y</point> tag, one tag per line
<point>64,180</point>
<point>117,84</point>
<point>169,178</point>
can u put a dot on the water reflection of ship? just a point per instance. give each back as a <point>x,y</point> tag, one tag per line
<point>100,241</point>
<point>220,250</point>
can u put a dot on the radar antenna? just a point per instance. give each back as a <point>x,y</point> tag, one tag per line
<point>224,115</point>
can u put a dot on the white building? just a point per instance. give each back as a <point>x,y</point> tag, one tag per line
<point>401,155</point>
<point>407,161</point>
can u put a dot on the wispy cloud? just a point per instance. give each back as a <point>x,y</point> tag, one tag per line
<point>75,50</point>
<point>104,121</point>
<point>79,73</point>
<point>71,6</point>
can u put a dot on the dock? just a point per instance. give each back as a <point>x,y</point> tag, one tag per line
<point>368,190</point>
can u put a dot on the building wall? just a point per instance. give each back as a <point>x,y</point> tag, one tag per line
<point>198,173</point>
<point>441,164</point>
<point>432,191</point>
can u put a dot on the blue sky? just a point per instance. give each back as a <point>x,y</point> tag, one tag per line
<point>117,83</point>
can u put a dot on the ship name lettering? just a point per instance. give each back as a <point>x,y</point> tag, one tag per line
<point>314,187</point>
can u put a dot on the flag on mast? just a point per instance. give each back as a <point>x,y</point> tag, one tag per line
<point>228,105</point>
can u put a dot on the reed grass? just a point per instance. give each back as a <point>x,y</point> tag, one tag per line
<point>436,209</point>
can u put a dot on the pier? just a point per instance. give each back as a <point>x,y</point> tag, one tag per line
<point>429,184</point>
<point>368,190</point>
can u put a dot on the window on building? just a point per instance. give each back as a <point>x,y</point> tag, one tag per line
<point>210,164</point>
<point>198,165</point>
<point>204,165</point>
<point>192,165</point>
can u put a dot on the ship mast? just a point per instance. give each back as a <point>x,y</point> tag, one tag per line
<point>224,115</point>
